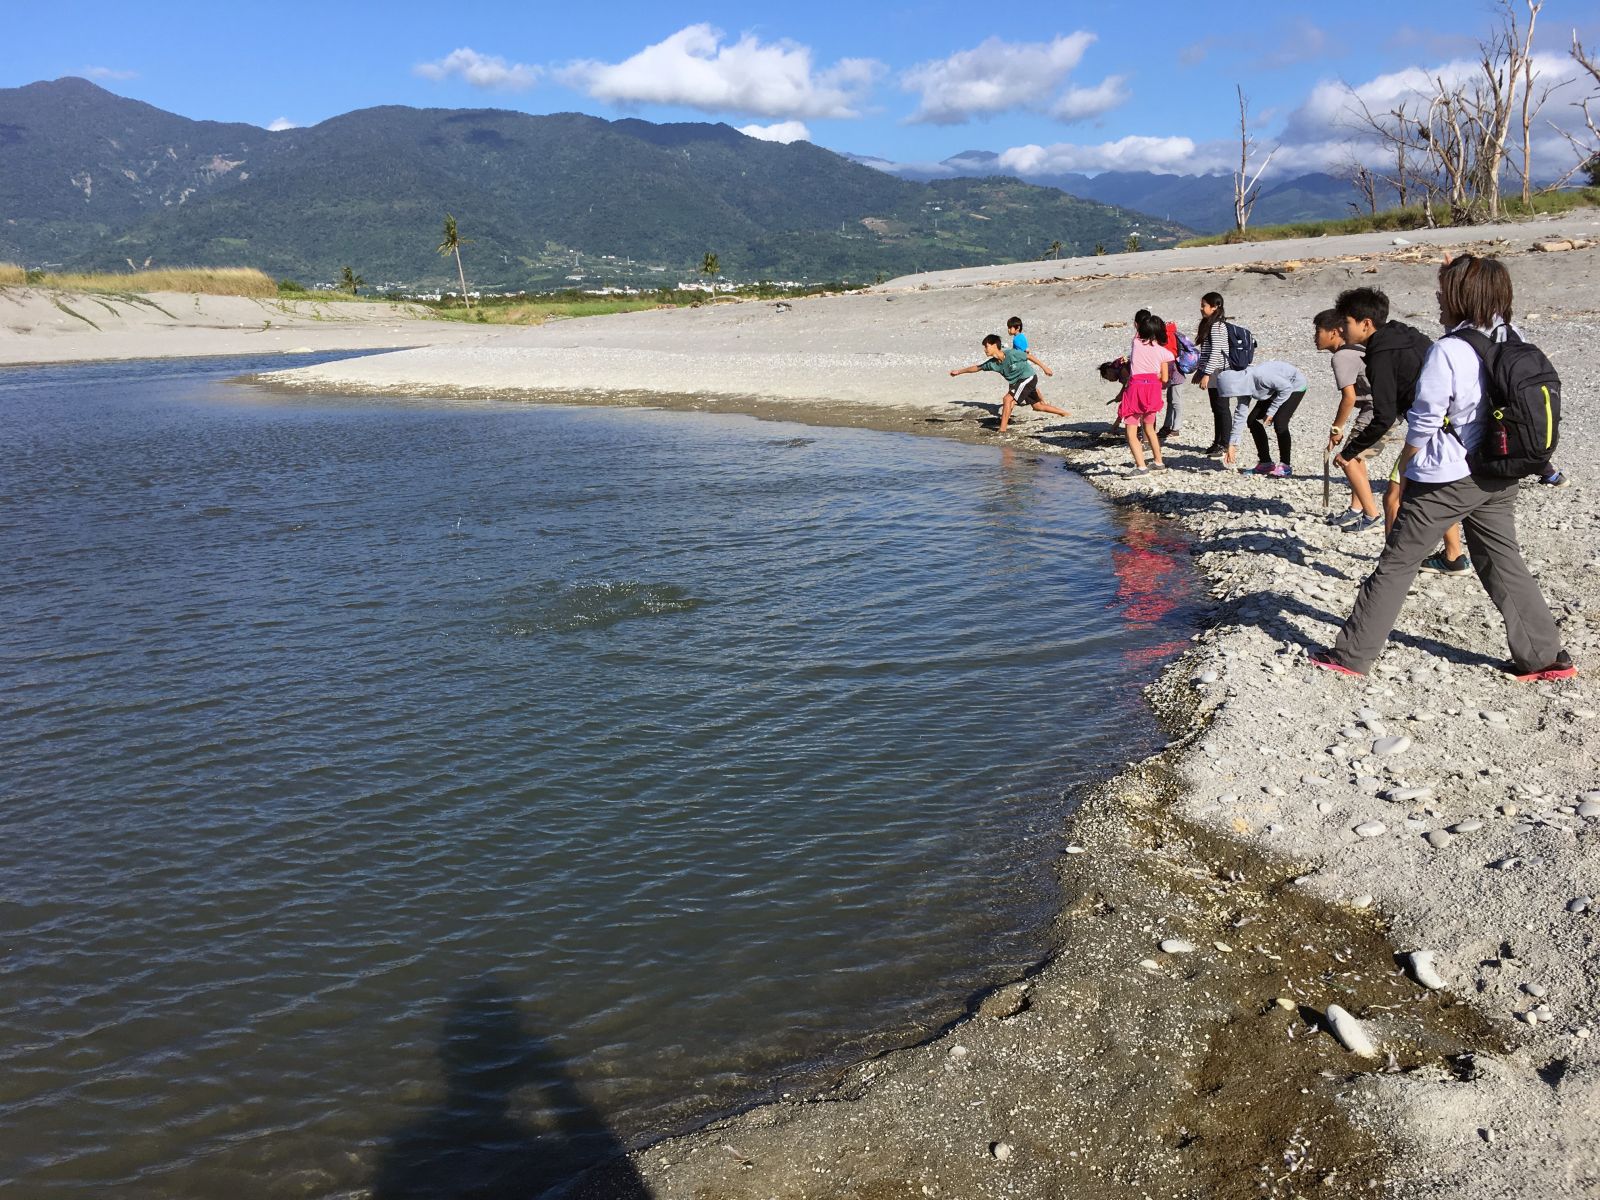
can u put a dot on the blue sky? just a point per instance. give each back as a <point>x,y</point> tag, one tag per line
<point>1057,86</point>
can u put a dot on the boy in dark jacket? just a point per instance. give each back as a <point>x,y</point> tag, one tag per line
<point>1394,360</point>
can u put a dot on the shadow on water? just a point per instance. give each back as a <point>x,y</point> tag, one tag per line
<point>471,1147</point>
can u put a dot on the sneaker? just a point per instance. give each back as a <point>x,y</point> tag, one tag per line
<point>1325,660</point>
<point>1562,668</point>
<point>1263,468</point>
<point>1160,466</point>
<point>1438,564</point>
<point>1364,523</point>
<point>1139,471</point>
<point>1555,479</point>
<point>1343,518</point>
<point>1280,471</point>
<point>1215,451</point>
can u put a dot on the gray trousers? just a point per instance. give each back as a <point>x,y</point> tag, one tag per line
<point>1486,509</point>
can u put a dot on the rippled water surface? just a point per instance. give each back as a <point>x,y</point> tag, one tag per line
<point>392,793</point>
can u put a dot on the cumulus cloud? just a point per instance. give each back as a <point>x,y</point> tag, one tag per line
<point>697,69</point>
<point>282,123</point>
<point>1079,104</point>
<point>1164,155</point>
<point>1323,133</point>
<point>779,131</point>
<point>1000,76</point>
<point>480,70</point>
<point>107,73</point>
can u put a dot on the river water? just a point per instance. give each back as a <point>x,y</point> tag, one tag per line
<point>393,792</point>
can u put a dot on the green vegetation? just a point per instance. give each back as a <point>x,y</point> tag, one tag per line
<point>350,282</point>
<point>625,202</point>
<point>1411,217</point>
<point>711,267</point>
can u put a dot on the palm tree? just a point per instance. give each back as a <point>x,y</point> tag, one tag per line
<point>351,282</point>
<point>452,244</point>
<point>1055,248</point>
<point>710,267</point>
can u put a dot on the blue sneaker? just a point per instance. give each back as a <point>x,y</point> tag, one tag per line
<point>1341,519</point>
<point>1555,478</point>
<point>1364,523</point>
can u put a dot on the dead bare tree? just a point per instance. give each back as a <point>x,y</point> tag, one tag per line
<point>1452,139</point>
<point>1588,147</point>
<point>1245,187</point>
<point>1364,181</point>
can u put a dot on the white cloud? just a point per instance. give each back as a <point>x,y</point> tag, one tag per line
<point>695,68</point>
<point>1078,104</point>
<point>282,123</point>
<point>1321,134</point>
<point>1164,155</point>
<point>480,70</point>
<point>999,76</point>
<point>107,73</point>
<point>780,131</point>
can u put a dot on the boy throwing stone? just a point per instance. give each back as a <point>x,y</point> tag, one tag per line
<point>1022,381</point>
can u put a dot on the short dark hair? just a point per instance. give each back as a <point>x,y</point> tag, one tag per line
<point>1111,371</point>
<point>1475,290</point>
<point>1013,322</point>
<point>1328,320</point>
<point>1140,315</point>
<point>1363,304</point>
<point>993,340</point>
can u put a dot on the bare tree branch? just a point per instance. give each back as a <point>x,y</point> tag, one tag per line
<point>1245,189</point>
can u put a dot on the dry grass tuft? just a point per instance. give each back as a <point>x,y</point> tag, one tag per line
<point>210,281</point>
<point>11,273</point>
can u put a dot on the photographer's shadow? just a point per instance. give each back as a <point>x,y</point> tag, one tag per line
<point>472,1148</point>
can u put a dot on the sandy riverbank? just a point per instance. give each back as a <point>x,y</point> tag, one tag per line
<point>43,325</point>
<point>1122,1070</point>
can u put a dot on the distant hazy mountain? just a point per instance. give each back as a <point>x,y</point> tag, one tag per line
<point>1203,202</point>
<point>88,178</point>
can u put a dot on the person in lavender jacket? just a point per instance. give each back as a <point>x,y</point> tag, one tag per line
<point>1437,489</point>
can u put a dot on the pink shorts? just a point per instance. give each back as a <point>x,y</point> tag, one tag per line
<point>1141,400</point>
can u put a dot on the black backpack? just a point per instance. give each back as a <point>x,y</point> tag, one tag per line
<point>1241,346</point>
<point>1521,411</point>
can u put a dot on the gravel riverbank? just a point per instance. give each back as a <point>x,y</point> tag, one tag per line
<point>1283,854</point>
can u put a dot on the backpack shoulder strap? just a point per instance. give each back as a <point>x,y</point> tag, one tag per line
<point>1481,345</point>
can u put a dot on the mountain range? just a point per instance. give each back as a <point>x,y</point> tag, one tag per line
<point>1202,202</point>
<point>92,180</point>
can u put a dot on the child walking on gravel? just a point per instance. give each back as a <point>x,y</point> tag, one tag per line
<point>1149,365</point>
<point>1022,381</point>
<point>1447,422</point>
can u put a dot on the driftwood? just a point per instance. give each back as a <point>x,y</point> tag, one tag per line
<point>1257,270</point>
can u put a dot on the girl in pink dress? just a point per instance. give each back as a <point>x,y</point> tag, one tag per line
<point>1149,365</point>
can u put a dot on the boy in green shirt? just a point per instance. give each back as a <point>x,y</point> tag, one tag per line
<point>1022,381</point>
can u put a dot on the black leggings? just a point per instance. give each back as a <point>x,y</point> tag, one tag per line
<point>1280,423</point>
<point>1221,419</point>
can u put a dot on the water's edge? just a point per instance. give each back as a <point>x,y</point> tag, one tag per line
<point>1120,825</point>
